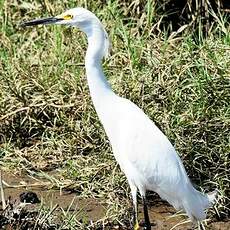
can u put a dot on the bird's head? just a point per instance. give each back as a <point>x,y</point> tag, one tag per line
<point>77,17</point>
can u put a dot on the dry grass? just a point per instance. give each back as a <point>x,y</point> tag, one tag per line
<point>47,120</point>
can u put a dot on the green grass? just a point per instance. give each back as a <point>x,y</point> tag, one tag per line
<point>47,120</point>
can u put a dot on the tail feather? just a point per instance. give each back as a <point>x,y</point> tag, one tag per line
<point>195,204</point>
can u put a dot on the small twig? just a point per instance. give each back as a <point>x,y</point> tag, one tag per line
<point>62,106</point>
<point>26,185</point>
<point>2,193</point>
<point>13,112</point>
<point>180,223</point>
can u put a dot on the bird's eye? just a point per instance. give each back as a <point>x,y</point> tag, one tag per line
<point>68,17</point>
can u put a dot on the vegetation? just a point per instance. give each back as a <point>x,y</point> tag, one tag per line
<point>179,78</point>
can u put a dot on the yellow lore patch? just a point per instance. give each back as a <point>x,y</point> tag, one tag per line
<point>68,17</point>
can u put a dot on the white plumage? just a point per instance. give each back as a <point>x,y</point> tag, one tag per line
<point>148,159</point>
<point>143,152</point>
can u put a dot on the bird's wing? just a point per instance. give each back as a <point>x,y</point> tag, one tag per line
<point>144,148</point>
<point>151,163</point>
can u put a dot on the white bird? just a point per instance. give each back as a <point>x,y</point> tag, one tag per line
<point>143,152</point>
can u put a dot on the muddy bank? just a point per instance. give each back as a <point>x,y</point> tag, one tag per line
<point>90,209</point>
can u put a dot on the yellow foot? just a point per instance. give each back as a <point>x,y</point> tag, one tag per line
<point>137,226</point>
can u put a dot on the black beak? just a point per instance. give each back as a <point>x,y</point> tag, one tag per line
<point>42,21</point>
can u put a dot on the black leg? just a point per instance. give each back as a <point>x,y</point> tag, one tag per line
<point>147,224</point>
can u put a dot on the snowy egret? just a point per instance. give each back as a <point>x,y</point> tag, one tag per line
<point>143,152</point>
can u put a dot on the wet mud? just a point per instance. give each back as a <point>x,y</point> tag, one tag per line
<point>161,214</point>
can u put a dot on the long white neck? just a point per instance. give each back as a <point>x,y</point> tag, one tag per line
<point>98,85</point>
